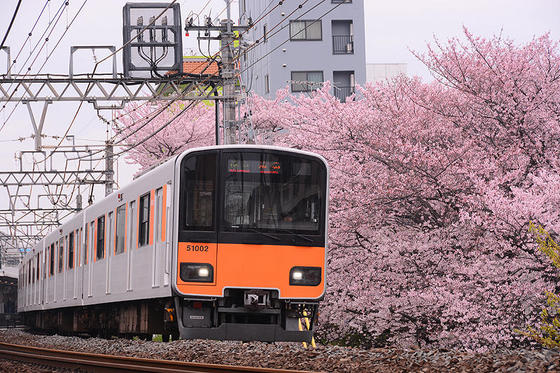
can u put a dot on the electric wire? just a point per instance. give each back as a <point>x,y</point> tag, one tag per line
<point>29,34</point>
<point>152,21</point>
<point>192,104</point>
<point>58,16</point>
<point>172,101</point>
<point>287,40</point>
<point>11,24</point>
<point>271,35</point>
<point>41,41</point>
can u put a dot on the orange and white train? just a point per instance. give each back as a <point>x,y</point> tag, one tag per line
<point>223,242</point>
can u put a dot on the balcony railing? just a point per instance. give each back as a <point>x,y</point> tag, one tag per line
<point>343,44</point>
<point>341,92</point>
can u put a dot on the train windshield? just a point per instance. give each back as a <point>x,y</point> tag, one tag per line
<point>271,192</point>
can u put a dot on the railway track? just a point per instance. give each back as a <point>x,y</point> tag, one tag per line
<point>109,363</point>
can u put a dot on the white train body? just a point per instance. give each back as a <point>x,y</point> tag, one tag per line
<point>114,265</point>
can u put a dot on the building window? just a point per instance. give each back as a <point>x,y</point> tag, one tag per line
<point>343,37</point>
<point>144,221</point>
<point>344,83</point>
<point>121,216</point>
<point>306,30</point>
<point>306,81</point>
<point>100,253</point>
<point>264,33</point>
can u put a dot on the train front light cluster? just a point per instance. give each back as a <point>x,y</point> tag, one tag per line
<point>196,272</point>
<point>305,276</point>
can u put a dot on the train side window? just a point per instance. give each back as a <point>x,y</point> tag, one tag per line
<point>110,233</point>
<point>121,220</point>
<point>51,264</point>
<point>91,241</point>
<point>60,254</point>
<point>131,224</point>
<point>79,244</point>
<point>71,250</point>
<point>200,183</point>
<point>100,245</point>
<point>86,245</point>
<point>144,220</point>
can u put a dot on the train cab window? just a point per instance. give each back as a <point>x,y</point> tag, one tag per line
<point>121,217</point>
<point>51,264</point>
<point>199,175</point>
<point>144,220</point>
<point>60,255</point>
<point>71,250</point>
<point>273,193</point>
<point>100,244</point>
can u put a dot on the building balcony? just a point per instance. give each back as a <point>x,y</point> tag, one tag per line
<point>342,92</point>
<point>343,44</point>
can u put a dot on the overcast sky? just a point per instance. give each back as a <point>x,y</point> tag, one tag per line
<point>392,27</point>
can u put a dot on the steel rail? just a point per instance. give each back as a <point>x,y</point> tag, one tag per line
<point>112,363</point>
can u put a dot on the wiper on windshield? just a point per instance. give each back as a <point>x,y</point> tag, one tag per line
<point>262,233</point>
<point>299,235</point>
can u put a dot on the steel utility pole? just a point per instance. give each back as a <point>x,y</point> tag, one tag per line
<point>228,69</point>
<point>231,95</point>
<point>109,168</point>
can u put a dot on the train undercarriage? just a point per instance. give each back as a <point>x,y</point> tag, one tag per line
<point>254,315</point>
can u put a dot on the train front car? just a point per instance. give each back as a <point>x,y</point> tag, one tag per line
<point>251,243</point>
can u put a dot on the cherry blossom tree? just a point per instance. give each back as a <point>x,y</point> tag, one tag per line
<point>433,186</point>
<point>138,123</point>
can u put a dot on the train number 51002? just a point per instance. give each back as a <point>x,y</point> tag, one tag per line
<point>197,248</point>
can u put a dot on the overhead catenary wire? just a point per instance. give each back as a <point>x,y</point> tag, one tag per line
<point>153,134</point>
<point>45,40</point>
<point>174,100</point>
<point>152,22</point>
<point>11,24</point>
<point>41,41</point>
<point>29,34</point>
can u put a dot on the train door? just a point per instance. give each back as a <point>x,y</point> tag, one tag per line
<point>131,232</point>
<point>91,256</point>
<point>85,260</point>
<point>44,274</point>
<point>77,261</point>
<point>109,250</point>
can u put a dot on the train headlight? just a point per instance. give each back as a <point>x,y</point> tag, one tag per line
<point>305,276</point>
<point>196,272</point>
<point>203,272</point>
